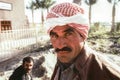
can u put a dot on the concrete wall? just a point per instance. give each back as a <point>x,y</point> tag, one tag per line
<point>16,15</point>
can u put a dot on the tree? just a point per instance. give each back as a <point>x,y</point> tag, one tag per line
<point>77,2</point>
<point>31,6</point>
<point>48,4</point>
<point>114,2</point>
<point>43,4</point>
<point>90,3</point>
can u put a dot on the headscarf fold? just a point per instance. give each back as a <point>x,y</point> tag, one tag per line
<point>68,14</point>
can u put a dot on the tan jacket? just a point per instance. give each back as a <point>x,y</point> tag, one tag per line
<point>91,66</point>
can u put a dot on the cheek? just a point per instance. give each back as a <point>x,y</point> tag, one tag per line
<point>77,43</point>
<point>30,67</point>
<point>74,41</point>
<point>53,42</point>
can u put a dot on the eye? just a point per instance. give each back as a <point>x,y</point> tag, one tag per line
<point>53,36</point>
<point>68,34</point>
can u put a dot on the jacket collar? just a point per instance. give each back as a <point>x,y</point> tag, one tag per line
<point>82,58</point>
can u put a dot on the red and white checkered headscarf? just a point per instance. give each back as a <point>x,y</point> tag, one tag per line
<point>70,14</point>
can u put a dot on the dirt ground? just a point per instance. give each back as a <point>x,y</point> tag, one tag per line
<point>39,69</point>
<point>44,64</point>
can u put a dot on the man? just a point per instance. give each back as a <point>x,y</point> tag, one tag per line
<point>68,30</point>
<point>23,72</point>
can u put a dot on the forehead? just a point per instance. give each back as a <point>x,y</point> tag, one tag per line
<point>61,29</point>
<point>28,63</point>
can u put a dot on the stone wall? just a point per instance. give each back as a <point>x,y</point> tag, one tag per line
<point>16,15</point>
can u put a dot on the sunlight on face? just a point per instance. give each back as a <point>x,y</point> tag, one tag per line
<point>67,42</point>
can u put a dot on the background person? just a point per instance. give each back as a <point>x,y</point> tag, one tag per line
<point>23,72</point>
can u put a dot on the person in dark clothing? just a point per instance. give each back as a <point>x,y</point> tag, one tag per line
<point>23,72</point>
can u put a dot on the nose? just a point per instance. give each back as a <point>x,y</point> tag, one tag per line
<point>61,42</point>
<point>29,67</point>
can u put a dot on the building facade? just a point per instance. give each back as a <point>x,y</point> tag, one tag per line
<point>12,15</point>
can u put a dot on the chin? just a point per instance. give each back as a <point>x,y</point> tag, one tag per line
<point>64,61</point>
<point>28,71</point>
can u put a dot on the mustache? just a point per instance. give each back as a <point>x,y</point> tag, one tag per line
<point>63,49</point>
<point>27,70</point>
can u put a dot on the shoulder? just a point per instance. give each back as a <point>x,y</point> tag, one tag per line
<point>102,63</point>
<point>20,68</point>
<point>17,73</point>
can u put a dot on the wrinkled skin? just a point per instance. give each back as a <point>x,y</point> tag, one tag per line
<point>67,43</point>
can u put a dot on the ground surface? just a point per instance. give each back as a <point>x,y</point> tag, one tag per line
<point>45,60</point>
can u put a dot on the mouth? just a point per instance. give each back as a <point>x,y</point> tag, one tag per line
<point>63,52</point>
<point>27,70</point>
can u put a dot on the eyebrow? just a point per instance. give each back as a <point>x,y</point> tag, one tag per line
<point>69,30</point>
<point>52,33</point>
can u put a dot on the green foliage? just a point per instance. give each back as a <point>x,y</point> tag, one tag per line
<point>43,3</point>
<point>102,40</point>
<point>90,2</point>
<point>31,5</point>
<point>118,26</point>
<point>100,32</point>
<point>113,1</point>
<point>119,41</point>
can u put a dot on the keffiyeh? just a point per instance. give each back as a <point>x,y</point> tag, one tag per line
<point>70,14</point>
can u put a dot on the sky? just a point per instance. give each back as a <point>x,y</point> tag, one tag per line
<point>101,11</point>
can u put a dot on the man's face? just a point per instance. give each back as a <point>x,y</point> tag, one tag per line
<point>28,66</point>
<point>67,42</point>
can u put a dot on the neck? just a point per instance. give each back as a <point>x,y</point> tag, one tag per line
<point>64,66</point>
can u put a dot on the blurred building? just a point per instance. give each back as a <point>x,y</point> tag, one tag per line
<point>12,15</point>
